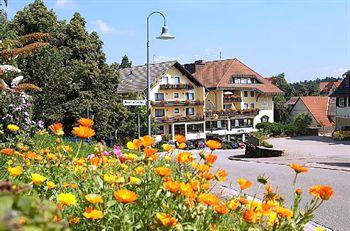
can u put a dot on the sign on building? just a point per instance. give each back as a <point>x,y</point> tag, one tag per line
<point>134,102</point>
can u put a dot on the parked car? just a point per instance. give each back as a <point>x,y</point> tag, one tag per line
<point>226,144</point>
<point>343,133</point>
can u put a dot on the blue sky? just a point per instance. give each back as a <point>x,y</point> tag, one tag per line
<point>305,39</point>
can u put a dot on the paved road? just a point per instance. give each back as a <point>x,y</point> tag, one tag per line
<point>334,213</point>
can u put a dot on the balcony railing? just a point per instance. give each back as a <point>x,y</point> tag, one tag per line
<point>165,103</point>
<point>229,113</point>
<point>175,86</point>
<point>232,99</point>
<point>175,119</point>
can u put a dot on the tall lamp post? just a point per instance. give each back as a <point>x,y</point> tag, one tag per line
<point>163,36</point>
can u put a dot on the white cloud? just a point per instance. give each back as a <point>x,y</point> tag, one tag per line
<point>161,58</point>
<point>65,4</point>
<point>103,27</point>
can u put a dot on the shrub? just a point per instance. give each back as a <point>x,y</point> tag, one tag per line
<point>302,122</point>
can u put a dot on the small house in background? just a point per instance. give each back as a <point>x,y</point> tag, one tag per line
<point>342,95</point>
<point>327,88</point>
<point>290,103</point>
<point>316,107</point>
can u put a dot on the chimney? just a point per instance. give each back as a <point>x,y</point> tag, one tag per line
<point>191,67</point>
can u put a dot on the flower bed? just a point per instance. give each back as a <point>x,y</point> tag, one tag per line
<point>136,189</point>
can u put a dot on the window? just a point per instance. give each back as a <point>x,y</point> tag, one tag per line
<point>189,95</point>
<point>195,128</point>
<point>237,80</point>
<point>159,96</point>
<point>264,104</point>
<point>176,95</point>
<point>264,119</point>
<point>159,112</point>
<point>165,80</point>
<point>177,80</point>
<point>245,93</point>
<point>252,93</point>
<point>348,101</point>
<point>252,105</point>
<point>244,80</point>
<point>249,80</point>
<point>245,106</point>
<point>227,106</point>
<point>211,106</point>
<point>189,111</point>
<point>176,111</point>
<point>236,123</point>
<point>342,102</point>
<point>160,130</point>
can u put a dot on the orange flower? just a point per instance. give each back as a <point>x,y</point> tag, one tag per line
<point>221,175</point>
<point>208,199</point>
<point>184,157</point>
<point>30,155</point>
<point>86,122</point>
<point>95,161</point>
<point>83,132</point>
<point>166,219</point>
<point>208,176</point>
<point>162,171</point>
<point>213,144</point>
<point>57,129</point>
<point>283,212</point>
<point>91,213</point>
<point>221,209</point>
<point>298,168</point>
<point>150,152</point>
<point>202,167</point>
<point>7,151</point>
<point>244,184</point>
<point>249,216</point>
<point>125,196</point>
<point>147,141</point>
<point>93,198</point>
<point>134,145</point>
<point>321,191</point>
<point>243,201</point>
<point>186,190</point>
<point>180,138</point>
<point>172,186</point>
<point>210,158</point>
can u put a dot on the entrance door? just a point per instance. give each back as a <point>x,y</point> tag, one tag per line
<point>179,129</point>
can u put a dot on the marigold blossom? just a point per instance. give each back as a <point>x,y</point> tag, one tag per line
<point>12,127</point>
<point>244,183</point>
<point>57,129</point>
<point>93,198</point>
<point>180,138</point>
<point>172,186</point>
<point>37,179</point>
<point>221,209</point>
<point>208,199</point>
<point>213,144</point>
<point>147,141</point>
<point>184,157</point>
<point>298,168</point>
<point>7,151</point>
<point>83,132</point>
<point>162,171</point>
<point>50,185</point>
<point>166,219</point>
<point>67,199</point>
<point>15,171</point>
<point>86,122</point>
<point>91,213</point>
<point>125,196</point>
<point>321,191</point>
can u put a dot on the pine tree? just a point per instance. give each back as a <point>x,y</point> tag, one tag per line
<point>125,62</point>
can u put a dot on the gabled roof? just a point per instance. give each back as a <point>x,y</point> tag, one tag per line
<point>317,106</point>
<point>325,87</point>
<point>134,79</point>
<point>291,101</point>
<point>217,75</point>
<point>343,90</point>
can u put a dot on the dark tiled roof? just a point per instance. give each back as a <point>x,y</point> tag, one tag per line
<point>343,89</point>
<point>291,101</point>
<point>134,79</point>
<point>217,74</point>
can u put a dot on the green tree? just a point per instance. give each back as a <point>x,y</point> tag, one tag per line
<point>125,62</point>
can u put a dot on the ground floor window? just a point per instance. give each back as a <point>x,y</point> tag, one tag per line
<point>239,123</point>
<point>159,112</point>
<point>195,128</point>
<point>160,130</point>
<point>264,119</point>
<point>216,125</point>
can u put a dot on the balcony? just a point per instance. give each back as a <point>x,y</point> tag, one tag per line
<point>229,113</point>
<point>165,103</point>
<point>232,98</point>
<point>176,119</point>
<point>180,86</point>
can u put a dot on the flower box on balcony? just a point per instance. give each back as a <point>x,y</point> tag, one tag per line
<point>175,86</point>
<point>232,98</point>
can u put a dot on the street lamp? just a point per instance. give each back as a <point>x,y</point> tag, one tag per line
<point>163,36</point>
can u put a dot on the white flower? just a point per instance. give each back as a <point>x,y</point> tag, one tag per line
<point>9,68</point>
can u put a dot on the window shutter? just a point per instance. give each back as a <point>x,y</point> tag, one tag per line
<point>345,101</point>
<point>337,101</point>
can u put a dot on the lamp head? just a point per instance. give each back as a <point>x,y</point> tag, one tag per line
<point>165,35</point>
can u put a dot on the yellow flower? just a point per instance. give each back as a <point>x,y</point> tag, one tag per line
<point>320,228</point>
<point>51,156</point>
<point>132,157</point>
<point>166,219</point>
<point>167,147</point>
<point>38,179</point>
<point>67,199</point>
<point>139,170</point>
<point>12,127</point>
<point>15,171</point>
<point>93,214</point>
<point>124,166</point>
<point>135,180</point>
<point>283,212</point>
<point>109,178</point>
<point>182,145</point>
<point>180,138</point>
<point>93,198</point>
<point>167,158</point>
<point>50,185</point>
<point>244,183</point>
